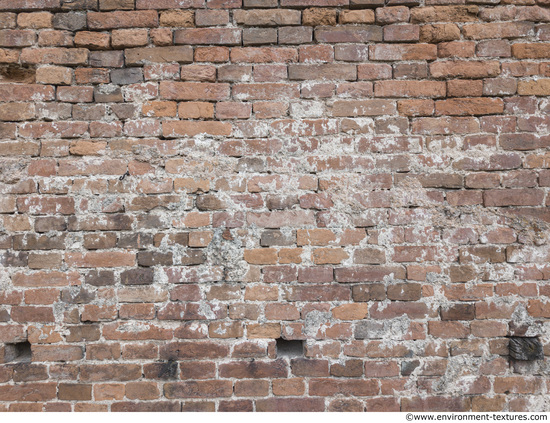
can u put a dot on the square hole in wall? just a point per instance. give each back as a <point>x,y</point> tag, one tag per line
<point>19,352</point>
<point>525,348</point>
<point>289,348</point>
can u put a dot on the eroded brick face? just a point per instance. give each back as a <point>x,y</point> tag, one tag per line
<point>182,183</point>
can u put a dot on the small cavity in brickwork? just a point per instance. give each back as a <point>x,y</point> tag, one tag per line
<point>526,349</point>
<point>289,348</point>
<point>19,352</point>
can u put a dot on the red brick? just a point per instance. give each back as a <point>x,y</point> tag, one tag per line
<point>268,17</point>
<point>217,36</point>
<point>110,372</point>
<point>445,126</point>
<point>57,56</point>
<point>464,88</point>
<point>57,353</point>
<point>450,13</point>
<point>465,69</point>
<point>438,403</point>
<point>469,106</point>
<point>29,392</point>
<point>17,38</point>
<point>519,385</point>
<point>401,33</point>
<point>290,404</point>
<point>193,91</point>
<point>513,197</point>
<point>120,19</point>
<point>263,55</point>
<point>409,89</point>
<point>332,387</point>
<point>199,389</point>
<point>129,38</point>
<point>497,30</point>
<point>439,32</point>
<point>183,128</point>
<point>288,387</point>
<point>146,55</point>
<point>349,34</point>
<point>390,52</point>
<point>368,273</point>
<point>448,330</point>
<point>100,259</point>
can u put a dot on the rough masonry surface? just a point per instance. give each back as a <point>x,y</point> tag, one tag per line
<point>183,183</point>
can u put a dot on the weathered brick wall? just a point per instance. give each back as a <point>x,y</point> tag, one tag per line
<point>185,182</point>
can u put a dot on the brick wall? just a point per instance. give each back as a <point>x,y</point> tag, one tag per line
<point>274,205</point>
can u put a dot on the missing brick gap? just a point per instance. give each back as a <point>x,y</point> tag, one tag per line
<point>19,352</point>
<point>289,348</point>
<point>525,348</point>
<point>17,73</point>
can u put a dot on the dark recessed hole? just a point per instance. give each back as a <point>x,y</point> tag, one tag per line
<point>525,348</point>
<point>285,348</point>
<point>19,352</point>
<point>17,73</point>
